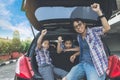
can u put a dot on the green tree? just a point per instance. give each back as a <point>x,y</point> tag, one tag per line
<point>4,47</point>
<point>16,43</point>
<point>22,47</point>
<point>9,47</point>
<point>0,46</point>
<point>27,43</point>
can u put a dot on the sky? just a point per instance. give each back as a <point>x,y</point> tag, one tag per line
<point>13,18</point>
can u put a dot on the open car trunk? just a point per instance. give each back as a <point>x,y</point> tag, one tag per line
<point>52,14</point>
<point>56,16</point>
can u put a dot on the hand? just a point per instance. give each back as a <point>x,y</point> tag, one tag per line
<point>72,58</point>
<point>53,45</point>
<point>95,7</point>
<point>60,39</point>
<point>44,32</point>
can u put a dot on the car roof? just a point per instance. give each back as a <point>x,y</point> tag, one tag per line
<point>30,7</point>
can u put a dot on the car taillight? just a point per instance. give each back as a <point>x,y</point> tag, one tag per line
<point>23,68</point>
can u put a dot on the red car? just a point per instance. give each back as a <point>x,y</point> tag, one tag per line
<point>56,16</point>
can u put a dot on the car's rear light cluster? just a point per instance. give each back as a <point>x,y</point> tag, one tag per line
<point>23,68</point>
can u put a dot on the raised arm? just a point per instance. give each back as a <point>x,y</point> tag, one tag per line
<point>59,49</point>
<point>96,7</point>
<point>39,41</point>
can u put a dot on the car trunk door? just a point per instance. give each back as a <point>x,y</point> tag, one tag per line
<point>50,14</point>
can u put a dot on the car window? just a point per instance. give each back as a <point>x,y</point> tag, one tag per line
<point>46,13</point>
<point>53,12</point>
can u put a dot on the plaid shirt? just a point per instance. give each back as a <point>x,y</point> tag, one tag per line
<point>97,51</point>
<point>42,57</point>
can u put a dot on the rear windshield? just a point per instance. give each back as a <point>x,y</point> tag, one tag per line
<point>46,13</point>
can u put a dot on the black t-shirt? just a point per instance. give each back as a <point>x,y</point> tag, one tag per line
<point>63,60</point>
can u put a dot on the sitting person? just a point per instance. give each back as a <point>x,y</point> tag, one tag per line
<point>65,49</point>
<point>93,60</point>
<point>45,67</point>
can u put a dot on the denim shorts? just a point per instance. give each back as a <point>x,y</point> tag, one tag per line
<point>82,70</point>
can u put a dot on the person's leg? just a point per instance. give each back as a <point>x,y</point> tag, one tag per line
<point>64,78</point>
<point>76,73</point>
<point>59,72</point>
<point>46,73</point>
<point>91,73</point>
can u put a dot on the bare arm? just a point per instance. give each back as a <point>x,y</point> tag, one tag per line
<point>96,7</point>
<point>73,49</point>
<point>59,49</point>
<point>39,41</point>
<point>73,57</point>
<point>77,53</point>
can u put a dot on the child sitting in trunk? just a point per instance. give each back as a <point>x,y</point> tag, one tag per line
<point>45,67</point>
<point>66,49</point>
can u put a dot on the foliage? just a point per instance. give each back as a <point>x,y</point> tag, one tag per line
<point>27,43</point>
<point>4,47</point>
<point>7,46</point>
<point>15,44</point>
<point>25,46</point>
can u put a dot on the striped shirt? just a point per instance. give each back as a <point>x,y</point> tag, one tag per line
<point>42,57</point>
<point>97,51</point>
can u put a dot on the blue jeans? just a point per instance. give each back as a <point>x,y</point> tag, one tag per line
<point>48,72</point>
<point>84,69</point>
